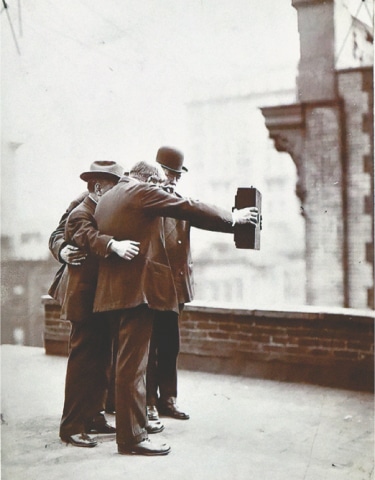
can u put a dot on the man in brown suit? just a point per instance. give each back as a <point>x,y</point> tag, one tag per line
<point>161,379</point>
<point>91,337</point>
<point>135,290</point>
<point>64,253</point>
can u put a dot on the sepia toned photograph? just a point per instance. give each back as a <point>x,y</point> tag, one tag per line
<point>187,239</point>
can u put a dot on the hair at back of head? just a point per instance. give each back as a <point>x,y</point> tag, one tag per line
<point>144,170</point>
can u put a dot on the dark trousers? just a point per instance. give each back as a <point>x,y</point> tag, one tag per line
<point>135,327</point>
<point>87,374</point>
<point>162,364</point>
<point>110,405</point>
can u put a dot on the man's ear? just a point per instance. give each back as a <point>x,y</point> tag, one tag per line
<point>98,189</point>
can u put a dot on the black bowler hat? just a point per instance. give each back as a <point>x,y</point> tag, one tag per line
<point>103,168</point>
<point>171,159</point>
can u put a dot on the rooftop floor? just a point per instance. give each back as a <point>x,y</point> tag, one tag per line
<point>240,428</point>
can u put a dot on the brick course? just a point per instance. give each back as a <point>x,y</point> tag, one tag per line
<point>292,341</point>
<point>330,347</point>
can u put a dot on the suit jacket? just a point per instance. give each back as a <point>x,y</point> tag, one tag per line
<point>177,243</point>
<point>81,230</point>
<point>132,210</point>
<point>56,243</point>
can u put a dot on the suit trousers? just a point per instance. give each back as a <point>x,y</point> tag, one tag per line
<point>110,404</point>
<point>162,364</point>
<point>135,327</point>
<point>87,374</point>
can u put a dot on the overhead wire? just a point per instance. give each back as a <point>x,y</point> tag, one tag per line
<point>92,48</point>
<point>5,7</point>
<point>55,31</point>
<point>349,31</point>
<point>20,18</point>
<point>369,13</point>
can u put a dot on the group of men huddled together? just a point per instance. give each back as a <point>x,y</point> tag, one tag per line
<point>126,274</point>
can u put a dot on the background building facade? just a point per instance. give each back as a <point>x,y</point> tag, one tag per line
<point>138,76</point>
<point>330,137</point>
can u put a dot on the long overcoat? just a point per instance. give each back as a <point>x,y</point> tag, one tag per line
<point>81,230</point>
<point>56,243</point>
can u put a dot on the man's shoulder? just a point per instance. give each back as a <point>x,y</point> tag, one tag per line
<point>77,201</point>
<point>139,190</point>
<point>84,209</point>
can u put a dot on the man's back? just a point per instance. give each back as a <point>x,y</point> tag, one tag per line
<point>132,210</point>
<point>147,279</point>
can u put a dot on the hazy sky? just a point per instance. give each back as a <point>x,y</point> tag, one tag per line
<point>111,79</point>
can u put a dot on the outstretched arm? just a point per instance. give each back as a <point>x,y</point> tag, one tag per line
<point>201,215</point>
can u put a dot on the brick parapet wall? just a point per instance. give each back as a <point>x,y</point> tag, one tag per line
<point>333,347</point>
<point>56,331</point>
<point>313,338</point>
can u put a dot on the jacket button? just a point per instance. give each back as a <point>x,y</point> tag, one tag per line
<point>179,242</point>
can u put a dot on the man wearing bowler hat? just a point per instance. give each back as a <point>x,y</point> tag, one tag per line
<point>165,340</point>
<point>91,337</point>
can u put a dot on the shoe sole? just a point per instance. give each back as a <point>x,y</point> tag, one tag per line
<point>160,429</point>
<point>97,432</point>
<point>90,445</point>
<point>144,453</point>
<point>173,416</point>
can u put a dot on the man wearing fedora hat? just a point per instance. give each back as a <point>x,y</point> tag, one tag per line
<point>161,377</point>
<point>91,338</point>
<point>134,291</point>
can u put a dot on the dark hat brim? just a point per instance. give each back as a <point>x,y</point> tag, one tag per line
<point>183,169</point>
<point>87,176</point>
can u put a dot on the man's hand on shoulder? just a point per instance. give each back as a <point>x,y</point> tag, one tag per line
<point>72,255</point>
<point>126,249</point>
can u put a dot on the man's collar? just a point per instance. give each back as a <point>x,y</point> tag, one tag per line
<point>93,199</point>
<point>127,179</point>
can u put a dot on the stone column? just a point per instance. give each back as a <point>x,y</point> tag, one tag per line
<point>316,133</point>
<point>316,70</point>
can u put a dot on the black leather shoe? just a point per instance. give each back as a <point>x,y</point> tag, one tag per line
<point>154,427</point>
<point>102,428</point>
<point>152,412</point>
<point>168,408</point>
<point>145,447</point>
<point>110,407</point>
<point>80,440</point>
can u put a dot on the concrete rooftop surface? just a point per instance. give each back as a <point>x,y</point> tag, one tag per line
<point>240,428</point>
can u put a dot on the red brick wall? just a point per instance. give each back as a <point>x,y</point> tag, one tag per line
<point>333,348</point>
<point>329,347</point>
<point>56,332</point>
